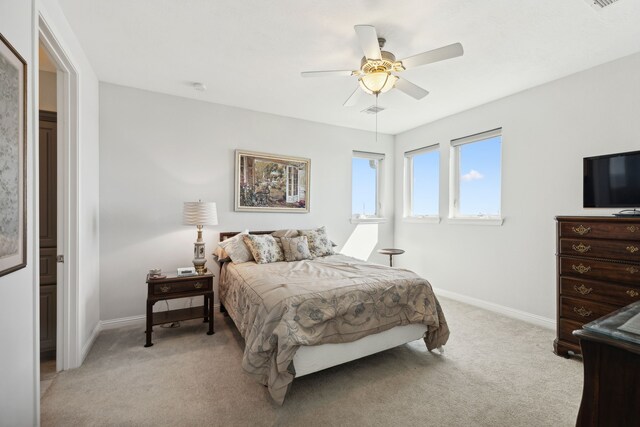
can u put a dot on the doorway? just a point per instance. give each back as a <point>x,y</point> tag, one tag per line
<point>47,215</point>
<point>61,259</point>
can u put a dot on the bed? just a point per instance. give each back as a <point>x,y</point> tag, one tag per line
<point>304,316</point>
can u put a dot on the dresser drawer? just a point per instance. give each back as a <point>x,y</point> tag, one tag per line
<point>599,291</point>
<point>601,230</point>
<point>582,310</point>
<point>615,249</point>
<point>566,328</point>
<point>195,285</point>
<point>603,270</point>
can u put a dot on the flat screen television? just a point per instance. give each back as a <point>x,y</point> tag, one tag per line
<point>612,181</point>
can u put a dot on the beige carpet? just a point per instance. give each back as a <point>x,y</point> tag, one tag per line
<point>496,372</point>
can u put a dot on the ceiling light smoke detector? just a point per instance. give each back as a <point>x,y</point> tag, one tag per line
<point>200,87</point>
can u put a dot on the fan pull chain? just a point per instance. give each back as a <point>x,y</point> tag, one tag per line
<point>376,117</point>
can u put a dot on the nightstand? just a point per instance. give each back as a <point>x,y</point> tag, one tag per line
<point>172,287</point>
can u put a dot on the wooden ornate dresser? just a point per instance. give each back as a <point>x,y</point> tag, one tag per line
<point>598,272</point>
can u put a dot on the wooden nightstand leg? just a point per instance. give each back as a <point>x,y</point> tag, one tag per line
<point>210,315</point>
<point>149,323</point>
<point>206,309</point>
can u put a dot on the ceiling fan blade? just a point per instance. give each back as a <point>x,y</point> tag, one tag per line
<point>368,41</point>
<point>410,89</point>
<point>353,99</point>
<point>330,73</point>
<point>435,55</point>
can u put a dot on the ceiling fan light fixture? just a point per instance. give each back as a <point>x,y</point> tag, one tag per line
<point>377,82</point>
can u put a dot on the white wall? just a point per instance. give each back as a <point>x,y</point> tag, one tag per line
<point>158,151</point>
<point>88,187</point>
<point>47,91</point>
<point>18,376</point>
<point>547,131</point>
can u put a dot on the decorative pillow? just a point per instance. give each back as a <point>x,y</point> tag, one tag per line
<point>284,233</point>
<point>221,254</point>
<point>295,248</point>
<point>264,248</point>
<point>236,248</point>
<point>319,243</point>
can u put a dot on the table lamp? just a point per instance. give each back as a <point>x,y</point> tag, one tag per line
<point>200,214</point>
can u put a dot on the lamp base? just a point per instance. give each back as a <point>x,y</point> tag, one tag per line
<point>198,258</point>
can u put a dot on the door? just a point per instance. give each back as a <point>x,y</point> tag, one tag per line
<point>48,234</point>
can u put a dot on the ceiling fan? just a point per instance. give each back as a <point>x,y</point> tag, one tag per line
<point>378,67</point>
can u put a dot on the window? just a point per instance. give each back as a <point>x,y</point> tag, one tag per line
<point>366,171</point>
<point>422,182</point>
<point>476,176</point>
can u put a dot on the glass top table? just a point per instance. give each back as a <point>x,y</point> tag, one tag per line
<point>609,325</point>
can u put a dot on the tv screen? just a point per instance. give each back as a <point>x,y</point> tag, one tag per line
<point>612,181</point>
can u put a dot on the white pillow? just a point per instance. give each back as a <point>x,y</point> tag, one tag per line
<point>237,249</point>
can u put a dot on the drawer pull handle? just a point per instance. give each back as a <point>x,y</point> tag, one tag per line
<point>632,293</point>
<point>165,288</point>
<point>582,311</point>
<point>197,285</point>
<point>581,248</point>
<point>581,268</point>
<point>632,270</point>
<point>632,249</point>
<point>633,228</point>
<point>582,289</point>
<point>581,229</point>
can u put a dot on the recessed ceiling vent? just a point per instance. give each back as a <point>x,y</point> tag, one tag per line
<point>599,4</point>
<point>372,110</point>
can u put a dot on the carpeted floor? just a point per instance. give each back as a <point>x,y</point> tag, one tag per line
<point>496,372</point>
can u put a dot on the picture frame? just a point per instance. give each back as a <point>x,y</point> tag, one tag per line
<point>271,183</point>
<point>13,161</point>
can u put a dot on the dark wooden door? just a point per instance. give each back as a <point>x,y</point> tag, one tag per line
<point>48,230</point>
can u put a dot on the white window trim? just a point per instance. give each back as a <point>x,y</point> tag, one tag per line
<point>476,220</point>
<point>408,187</point>
<point>368,220</point>
<point>454,187</point>
<point>379,216</point>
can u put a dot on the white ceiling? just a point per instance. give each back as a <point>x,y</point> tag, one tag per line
<point>250,53</point>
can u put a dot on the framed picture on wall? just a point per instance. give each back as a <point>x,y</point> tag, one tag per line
<point>13,164</point>
<point>271,183</point>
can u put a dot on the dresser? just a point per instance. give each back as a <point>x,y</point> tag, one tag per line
<point>598,272</point>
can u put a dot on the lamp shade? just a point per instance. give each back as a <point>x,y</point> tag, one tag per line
<point>200,213</point>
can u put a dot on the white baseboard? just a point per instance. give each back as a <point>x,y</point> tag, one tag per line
<point>92,338</point>
<point>122,322</point>
<point>132,320</point>
<point>501,309</point>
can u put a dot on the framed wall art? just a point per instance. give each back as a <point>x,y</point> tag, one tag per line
<point>13,165</point>
<point>271,183</point>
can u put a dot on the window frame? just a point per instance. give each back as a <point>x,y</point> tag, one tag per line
<point>378,217</point>
<point>454,180</point>
<point>407,214</point>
